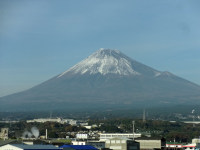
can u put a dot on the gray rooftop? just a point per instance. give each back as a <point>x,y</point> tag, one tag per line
<point>23,146</point>
<point>4,142</point>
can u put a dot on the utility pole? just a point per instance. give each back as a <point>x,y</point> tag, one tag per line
<point>50,114</point>
<point>133,129</point>
<point>144,115</point>
<point>193,121</point>
<point>193,117</point>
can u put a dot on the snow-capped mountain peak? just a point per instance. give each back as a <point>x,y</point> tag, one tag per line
<point>106,79</point>
<point>104,61</point>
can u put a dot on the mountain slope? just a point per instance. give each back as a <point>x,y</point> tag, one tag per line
<point>106,79</point>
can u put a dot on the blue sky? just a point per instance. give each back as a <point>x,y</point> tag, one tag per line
<point>40,39</point>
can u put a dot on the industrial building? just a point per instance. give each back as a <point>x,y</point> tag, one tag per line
<point>151,143</point>
<point>122,144</point>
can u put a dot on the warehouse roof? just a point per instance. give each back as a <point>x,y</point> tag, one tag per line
<point>29,147</point>
<point>79,147</point>
<point>4,142</point>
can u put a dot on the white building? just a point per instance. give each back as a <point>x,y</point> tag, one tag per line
<point>82,136</point>
<point>88,127</point>
<point>105,136</point>
<point>79,143</point>
<point>195,140</point>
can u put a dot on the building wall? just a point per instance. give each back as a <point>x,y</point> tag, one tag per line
<point>132,145</point>
<point>195,140</point>
<point>149,144</point>
<point>122,144</point>
<point>68,148</point>
<point>98,145</point>
<point>116,144</point>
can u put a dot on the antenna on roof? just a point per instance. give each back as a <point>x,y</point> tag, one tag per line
<point>50,114</point>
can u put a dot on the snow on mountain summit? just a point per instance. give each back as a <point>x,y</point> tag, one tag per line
<point>104,61</point>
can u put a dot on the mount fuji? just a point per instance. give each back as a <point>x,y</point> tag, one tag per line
<point>105,79</point>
